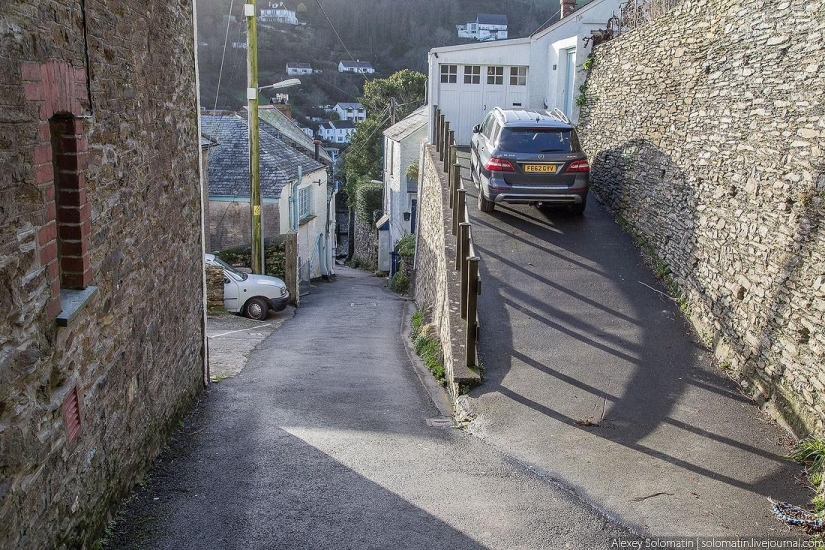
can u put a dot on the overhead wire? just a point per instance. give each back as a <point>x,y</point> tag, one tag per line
<point>223,56</point>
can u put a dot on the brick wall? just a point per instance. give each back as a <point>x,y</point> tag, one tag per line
<point>436,284</point>
<point>705,130</point>
<point>94,194</point>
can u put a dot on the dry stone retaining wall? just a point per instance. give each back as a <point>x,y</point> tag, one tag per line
<point>436,285</point>
<point>705,130</point>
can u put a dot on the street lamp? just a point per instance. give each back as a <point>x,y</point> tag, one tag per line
<point>258,264</point>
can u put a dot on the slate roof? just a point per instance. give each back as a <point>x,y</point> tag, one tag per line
<point>491,19</point>
<point>285,129</point>
<point>298,66</point>
<point>408,125</point>
<point>349,105</point>
<point>229,160</point>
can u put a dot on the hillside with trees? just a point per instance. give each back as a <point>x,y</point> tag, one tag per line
<point>391,34</point>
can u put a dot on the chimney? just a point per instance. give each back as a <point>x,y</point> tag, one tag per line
<point>317,143</point>
<point>567,7</point>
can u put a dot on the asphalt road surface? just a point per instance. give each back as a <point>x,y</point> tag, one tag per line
<point>322,441</point>
<point>593,375</point>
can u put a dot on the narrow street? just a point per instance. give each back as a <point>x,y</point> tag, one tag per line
<point>593,375</point>
<point>322,441</point>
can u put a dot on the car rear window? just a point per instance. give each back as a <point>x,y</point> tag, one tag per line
<point>538,140</point>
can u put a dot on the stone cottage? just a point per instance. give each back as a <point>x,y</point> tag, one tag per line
<point>101,259</point>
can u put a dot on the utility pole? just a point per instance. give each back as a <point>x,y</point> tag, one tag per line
<point>252,113</point>
<point>392,111</point>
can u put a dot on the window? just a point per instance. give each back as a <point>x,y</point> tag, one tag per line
<point>538,140</point>
<point>449,74</point>
<point>487,125</point>
<point>304,203</point>
<point>495,75</point>
<point>518,76</point>
<point>472,74</point>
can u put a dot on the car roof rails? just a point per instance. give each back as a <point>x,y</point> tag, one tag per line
<point>558,113</point>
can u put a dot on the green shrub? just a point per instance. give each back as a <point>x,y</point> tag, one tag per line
<point>811,453</point>
<point>417,323</point>
<point>399,283</point>
<point>406,246</point>
<point>368,198</point>
<point>430,352</point>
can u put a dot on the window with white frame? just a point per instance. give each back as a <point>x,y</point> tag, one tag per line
<point>449,74</point>
<point>472,74</point>
<point>304,202</point>
<point>495,75</point>
<point>518,76</point>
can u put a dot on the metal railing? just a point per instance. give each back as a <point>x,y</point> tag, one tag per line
<point>466,259</point>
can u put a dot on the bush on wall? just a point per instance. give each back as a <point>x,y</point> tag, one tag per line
<point>368,198</point>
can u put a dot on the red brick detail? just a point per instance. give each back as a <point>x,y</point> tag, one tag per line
<point>44,132</point>
<point>75,231</point>
<point>54,285</point>
<point>74,264</point>
<point>44,174</point>
<point>43,154</point>
<point>50,212</point>
<point>33,91</point>
<point>73,197</point>
<point>54,307</point>
<point>74,144</point>
<point>48,253</point>
<point>73,249</point>
<point>30,72</point>
<point>53,270</point>
<point>74,214</point>
<point>77,280</point>
<point>48,193</point>
<point>47,233</point>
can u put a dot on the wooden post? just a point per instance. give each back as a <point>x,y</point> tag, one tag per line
<point>441,136</point>
<point>458,211</point>
<point>472,309</point>
<point>455,183</point>
<point>446,129</point>
<point>461,262</point>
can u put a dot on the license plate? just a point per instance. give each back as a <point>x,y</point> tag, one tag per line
<point>541,168</point>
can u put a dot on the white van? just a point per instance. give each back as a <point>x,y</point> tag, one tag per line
<point>250,295</point>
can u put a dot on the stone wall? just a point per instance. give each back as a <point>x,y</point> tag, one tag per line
<point>366,244</point>
<point>214,287</point>
<point>705,130</point>
<point>436,284</point>
<point>98,189</point>
<point>229,224</point>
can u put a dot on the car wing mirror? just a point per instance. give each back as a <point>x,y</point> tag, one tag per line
<point>226,280</point>
<point>477,128</point>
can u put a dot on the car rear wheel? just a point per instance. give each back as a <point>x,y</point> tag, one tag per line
<point>257,309</point>
<point>578,209</point>
<point>483,204</point>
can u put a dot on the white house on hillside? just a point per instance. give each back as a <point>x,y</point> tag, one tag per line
<point>542,71</point>
<point>402,147</point>
<point>336,131</point>
<point>487,26</point>
<point>350,111</point>
<point>362,67</point>
<point>297,69</point>
<point>276,12</point>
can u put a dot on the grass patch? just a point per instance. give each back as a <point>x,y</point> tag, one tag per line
<point>399,283</point>
<point>428,348</point>
<point>811,453</point>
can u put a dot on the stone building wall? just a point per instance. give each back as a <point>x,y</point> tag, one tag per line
<point>230,226</point>
<point>436,284</point>
<point>705,130</point>
<point>101,194</point>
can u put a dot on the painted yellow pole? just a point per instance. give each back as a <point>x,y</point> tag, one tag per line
<point>252,108</point>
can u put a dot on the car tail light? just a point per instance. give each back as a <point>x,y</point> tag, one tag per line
<point>579,166</point>
<point>499,165</point>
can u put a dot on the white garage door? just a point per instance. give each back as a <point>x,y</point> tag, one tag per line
<point>465,93</point>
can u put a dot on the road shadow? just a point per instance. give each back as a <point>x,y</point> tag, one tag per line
<point>579,283</point>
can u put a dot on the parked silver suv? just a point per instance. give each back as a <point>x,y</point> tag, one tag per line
<point>534,157</point>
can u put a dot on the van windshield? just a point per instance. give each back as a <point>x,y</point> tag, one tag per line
<point>232,271</point>
<point>538,140</point>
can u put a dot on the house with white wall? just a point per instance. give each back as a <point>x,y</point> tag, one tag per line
<point>296,195</point>
<point>277,12</point>
<point>336,131</point>
<point>350,111</point>
<point>486,27</point>
<point>402,147</point>
<point>298,69</point>
<point>362,67</point>
<point>541,71</point>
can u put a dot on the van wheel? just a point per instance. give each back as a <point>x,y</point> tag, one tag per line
<point>257,309</point>
<point>483,204</point>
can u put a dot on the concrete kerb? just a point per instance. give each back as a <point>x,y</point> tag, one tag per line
<point>437,393</point>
